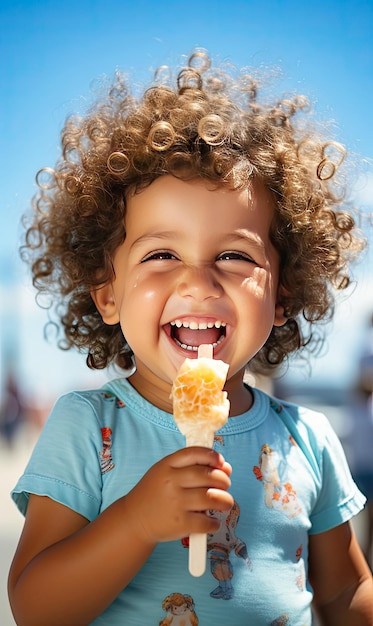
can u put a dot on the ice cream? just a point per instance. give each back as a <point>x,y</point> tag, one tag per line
<point>200,408</point>
<point>200,405</point>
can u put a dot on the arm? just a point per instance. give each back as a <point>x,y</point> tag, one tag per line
<point>341,579</point>
<point>63,554</point>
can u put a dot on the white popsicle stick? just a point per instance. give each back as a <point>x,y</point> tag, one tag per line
<point>197,554</point>
<point>198,541</point>
<point>205,350</point>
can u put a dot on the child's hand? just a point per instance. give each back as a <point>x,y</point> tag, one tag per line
<point>170,500</point>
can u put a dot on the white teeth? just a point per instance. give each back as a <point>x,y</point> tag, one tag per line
<point>195,348</point>
<point>198,326</point>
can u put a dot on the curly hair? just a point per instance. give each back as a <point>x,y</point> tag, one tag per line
<point>208,124</point>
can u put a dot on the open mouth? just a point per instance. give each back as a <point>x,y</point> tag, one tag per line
<point>190,335</point>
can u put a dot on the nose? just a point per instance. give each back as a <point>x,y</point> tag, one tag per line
<point>200,283</point>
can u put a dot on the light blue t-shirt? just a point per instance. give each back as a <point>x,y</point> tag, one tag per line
<point>290,479</point>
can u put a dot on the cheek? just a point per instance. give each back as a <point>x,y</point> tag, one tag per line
<point>256,302</point>
<point>258,286</point>
<point>146,293</point>
<point>142,290</point>
<point>141,305</point>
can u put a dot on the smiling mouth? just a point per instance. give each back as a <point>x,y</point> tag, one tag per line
<point>190,335</point>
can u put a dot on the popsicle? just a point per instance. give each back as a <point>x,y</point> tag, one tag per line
<point>200,408</point>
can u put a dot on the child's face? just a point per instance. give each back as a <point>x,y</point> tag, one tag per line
<point>197,255</point>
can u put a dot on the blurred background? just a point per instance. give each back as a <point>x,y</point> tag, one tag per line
<point>53,56</point>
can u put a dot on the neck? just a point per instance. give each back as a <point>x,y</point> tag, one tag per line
<point>157,392</point>
<point>240,397</point>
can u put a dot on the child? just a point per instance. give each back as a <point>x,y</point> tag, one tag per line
<point>195,214</point>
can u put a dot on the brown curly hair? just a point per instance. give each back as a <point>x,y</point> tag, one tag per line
<point>210,124</point>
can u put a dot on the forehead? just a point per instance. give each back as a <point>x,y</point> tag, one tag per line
<point>199,204</point>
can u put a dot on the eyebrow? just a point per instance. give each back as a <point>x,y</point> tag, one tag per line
<point>246,236</point>
<point>167,234</point>
<point>242,234</point>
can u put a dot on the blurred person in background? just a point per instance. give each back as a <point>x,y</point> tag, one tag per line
<point>360,446</point>
<point>11,410</point>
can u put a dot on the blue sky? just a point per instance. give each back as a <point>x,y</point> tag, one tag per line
<point>53,52</point>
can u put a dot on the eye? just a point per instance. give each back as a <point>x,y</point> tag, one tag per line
<point>231,255</point>
<point>159,255</point>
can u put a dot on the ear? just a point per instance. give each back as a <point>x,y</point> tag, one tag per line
<point>104,299</point>
<point>280,317</point>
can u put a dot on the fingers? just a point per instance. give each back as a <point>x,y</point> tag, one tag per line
<point>173,496</point>
<point>203,499</point>
<point>204,487</point>
<point>199,456</point>
<point>209,481</point>
<point>219,500</point>
<point>200,476</point>
<point>202,521</point>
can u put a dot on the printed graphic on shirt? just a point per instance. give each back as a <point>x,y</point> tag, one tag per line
<point>283,620</point>
<point>219,439</point>
<point>106,458</point>
<point>179,609</point>
<point>220,545</point>
<point>276,406</point>
<point>278,495</point>
<point>112,398</point>
<point>301,575</point>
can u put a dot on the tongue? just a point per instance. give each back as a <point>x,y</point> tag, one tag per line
<point>191,337</point>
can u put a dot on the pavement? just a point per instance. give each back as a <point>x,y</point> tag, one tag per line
<point>12,463</point>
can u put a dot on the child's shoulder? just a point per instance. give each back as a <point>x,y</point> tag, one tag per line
<point>86,404</point>
<point>308,428</point>
<point>299,414</point>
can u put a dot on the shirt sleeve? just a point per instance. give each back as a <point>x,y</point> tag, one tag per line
<point>339,499</point>
<point>65,464</point>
